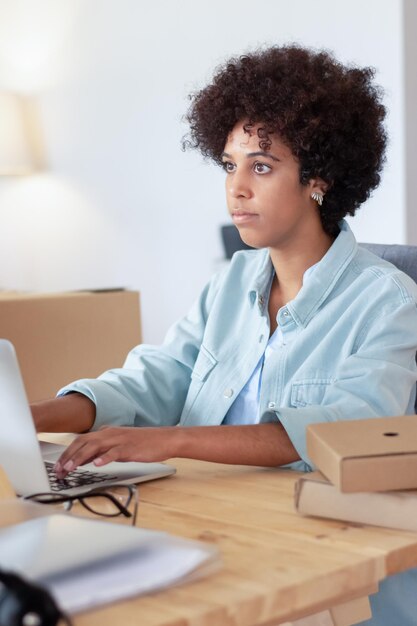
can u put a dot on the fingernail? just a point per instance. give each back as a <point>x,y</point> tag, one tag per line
<point>57,467</point>
<point>98,461</point>
<point>69,465</point>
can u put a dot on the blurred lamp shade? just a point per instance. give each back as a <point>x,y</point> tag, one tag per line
<point>17,156</point>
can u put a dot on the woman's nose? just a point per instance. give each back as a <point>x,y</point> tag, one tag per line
<point>238,185</point>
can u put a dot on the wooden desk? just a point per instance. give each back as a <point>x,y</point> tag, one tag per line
<point>278,566</point>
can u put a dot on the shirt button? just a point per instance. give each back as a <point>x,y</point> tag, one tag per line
<point>271,405</point>
<point>261,300</point>
<point>228,393</point>
<point>286,313</point>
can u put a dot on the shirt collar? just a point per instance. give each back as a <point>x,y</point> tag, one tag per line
<point>320,282</point>
<point>263,277</point>
<point>328,272</point>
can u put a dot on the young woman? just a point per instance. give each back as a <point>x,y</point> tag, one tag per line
<point>307,328</point>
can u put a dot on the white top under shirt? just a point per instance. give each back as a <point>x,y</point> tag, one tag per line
<point>245,409</point>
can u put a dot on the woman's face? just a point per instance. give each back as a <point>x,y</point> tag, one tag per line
<point>265,198</point>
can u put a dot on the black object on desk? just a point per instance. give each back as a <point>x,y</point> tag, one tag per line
<point>25,604</point>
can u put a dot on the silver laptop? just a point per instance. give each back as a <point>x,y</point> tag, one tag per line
<point>29,463</point>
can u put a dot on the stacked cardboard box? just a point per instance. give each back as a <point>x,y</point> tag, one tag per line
<point>376,454</point>
<point>368,472</point>
<point>65,336</point>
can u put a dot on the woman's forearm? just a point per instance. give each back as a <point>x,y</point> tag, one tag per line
<point>72,413</point>
<point>258,444</point>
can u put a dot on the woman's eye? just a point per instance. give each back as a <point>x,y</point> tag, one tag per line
<point>261,168</point>
<point>228,166</point>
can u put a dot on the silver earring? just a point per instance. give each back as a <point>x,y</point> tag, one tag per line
<point>318,197</point>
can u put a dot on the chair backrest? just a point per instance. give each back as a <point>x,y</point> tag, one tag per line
<point>403,257</point>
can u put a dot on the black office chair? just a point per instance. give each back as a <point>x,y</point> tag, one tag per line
<point>402,256</point>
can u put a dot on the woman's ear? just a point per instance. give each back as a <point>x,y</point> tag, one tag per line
<point>318,185</point>
<point>317,190</point>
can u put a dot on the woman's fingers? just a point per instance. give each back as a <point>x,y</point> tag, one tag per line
<point>83,450</point>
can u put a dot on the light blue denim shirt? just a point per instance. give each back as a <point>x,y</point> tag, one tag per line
<point>348,350</point>
<point>245,408</point>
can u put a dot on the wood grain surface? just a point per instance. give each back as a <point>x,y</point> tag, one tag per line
<point>277,566</point>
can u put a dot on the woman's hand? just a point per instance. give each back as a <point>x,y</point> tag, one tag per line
<point>119,444</point>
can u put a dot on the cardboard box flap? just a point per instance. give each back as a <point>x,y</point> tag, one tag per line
<point>30,295</point>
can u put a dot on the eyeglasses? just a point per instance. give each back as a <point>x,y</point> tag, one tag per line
<point>121,500</point>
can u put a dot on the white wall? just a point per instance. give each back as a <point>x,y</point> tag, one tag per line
<point>120,203</point>
<point>410,118</point>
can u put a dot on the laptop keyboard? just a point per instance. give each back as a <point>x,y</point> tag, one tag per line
<point>77,478</point>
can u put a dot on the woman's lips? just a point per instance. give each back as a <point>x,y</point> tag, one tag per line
<point>241,217</point>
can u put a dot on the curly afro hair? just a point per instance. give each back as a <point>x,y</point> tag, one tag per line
<point>330,115</point>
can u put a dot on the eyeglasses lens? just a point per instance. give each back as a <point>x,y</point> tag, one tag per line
<point>120,500</point>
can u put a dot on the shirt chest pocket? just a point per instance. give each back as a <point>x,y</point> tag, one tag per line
<point>309,391</point>
<point>203,366</point>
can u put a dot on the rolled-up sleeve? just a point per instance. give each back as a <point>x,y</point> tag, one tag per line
<point>377,379</point>
<point>151,387</point>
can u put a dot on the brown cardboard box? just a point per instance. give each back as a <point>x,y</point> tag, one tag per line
<point>377,454</point>
<point>315,495</point>
<point>61,337</point>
